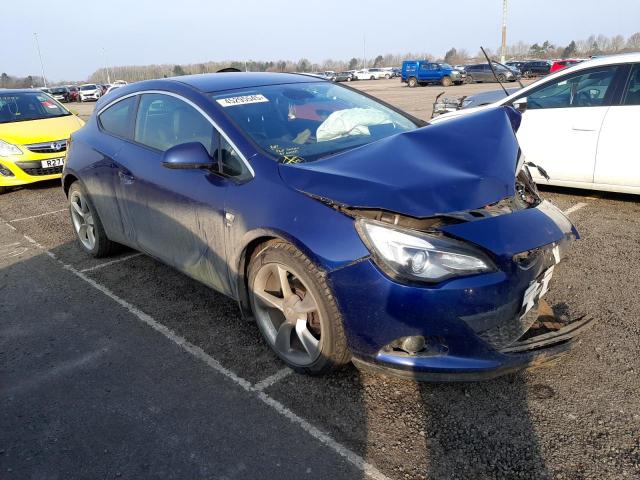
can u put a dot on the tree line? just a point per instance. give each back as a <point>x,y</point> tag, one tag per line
<point>593,45</point>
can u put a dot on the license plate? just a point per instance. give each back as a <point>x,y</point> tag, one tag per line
<point>536,291</point>
<point>52,162</point>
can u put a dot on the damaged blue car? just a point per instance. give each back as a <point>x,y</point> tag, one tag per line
<point>349,230</point>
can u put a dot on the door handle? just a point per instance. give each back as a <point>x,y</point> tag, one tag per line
<point>126,178</point>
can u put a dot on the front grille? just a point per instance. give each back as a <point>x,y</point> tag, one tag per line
<point>38,171</point>
<point>55,146</point>
<point>506,333</point>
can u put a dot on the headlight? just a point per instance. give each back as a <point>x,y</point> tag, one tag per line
<point>7,149</point>
<point>418,256</point>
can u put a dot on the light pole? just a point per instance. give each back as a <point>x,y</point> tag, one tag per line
<point>503,52</point>
<point>44,79</point>
<point>106,65</point>
<point>364,51</point>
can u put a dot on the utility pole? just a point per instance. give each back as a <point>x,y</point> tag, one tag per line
<point>364,51</point>
<point>503,52</point>
<point>44,79</point>
<point>106,66</point>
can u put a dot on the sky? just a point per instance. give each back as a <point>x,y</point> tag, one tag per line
<point>76,38</point>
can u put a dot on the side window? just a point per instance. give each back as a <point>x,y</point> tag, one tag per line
<point>434,66</point>
<point>424,66</point>
<point>586,89</point>
<point>231,163</point>
<point>118,117</point>
<point>164,121</point>
<point>632,92</point>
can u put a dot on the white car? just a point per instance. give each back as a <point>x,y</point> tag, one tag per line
<point>580,124</point>
<point>90,91</point>
<point>370,74</point>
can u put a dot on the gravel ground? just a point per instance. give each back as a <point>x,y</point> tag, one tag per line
<point>576,419</point>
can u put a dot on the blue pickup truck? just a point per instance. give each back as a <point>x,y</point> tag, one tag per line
<point>422,72</point>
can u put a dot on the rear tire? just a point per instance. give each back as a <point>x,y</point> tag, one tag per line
<point>86,223</point>
<point>446,81</point>
<point>304,326</point>
<point>387,76</point>
<point>412,82</point>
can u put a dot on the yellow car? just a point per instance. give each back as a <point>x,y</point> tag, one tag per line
<point>34,133</point>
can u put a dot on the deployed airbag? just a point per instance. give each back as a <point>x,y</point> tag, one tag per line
<point>350,121</point>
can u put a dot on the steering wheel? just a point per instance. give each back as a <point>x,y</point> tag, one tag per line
<point>584,99</point>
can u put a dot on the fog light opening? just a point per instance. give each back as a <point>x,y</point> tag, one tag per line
<point>413,345</point>
<point>5,172</point>
<point>417,345</point>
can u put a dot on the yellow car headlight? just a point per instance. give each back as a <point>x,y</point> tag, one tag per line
<point>7,149</point>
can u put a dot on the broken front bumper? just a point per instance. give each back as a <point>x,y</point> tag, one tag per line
<point>474,327</point>
<point>531,352</point>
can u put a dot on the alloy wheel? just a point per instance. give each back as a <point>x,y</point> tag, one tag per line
<point>287,313</point>
<point>83,222</point>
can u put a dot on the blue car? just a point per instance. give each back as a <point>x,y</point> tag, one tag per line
<point>349,230</point>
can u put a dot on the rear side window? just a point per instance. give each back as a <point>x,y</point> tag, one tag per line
<point>118,118</point>
<point>164,121</point>
<point>632,92</point>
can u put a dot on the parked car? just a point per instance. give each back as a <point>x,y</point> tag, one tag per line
<point>62,94</point>
<point>482,72</point>
<point>560,64</point>
<point>344,76</point>
<point>339,246</point>
<point>423,72</point>
<point>580,124</point>
<point>113,87</point>
<point>535,68</point>
<point>34,130</point>
<point>369,74</point>
<point>486,98</point>
<point>90,91</point>
<point>74,93</point>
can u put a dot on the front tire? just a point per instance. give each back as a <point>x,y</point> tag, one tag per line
<point>502,78</point>
<point>412,82</point>
<point>295,309</point>
<point>86,223</point>
<point>446,81</point>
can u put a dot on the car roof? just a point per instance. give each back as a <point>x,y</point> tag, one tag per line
<point>215,82</point>
<point>4,91</point>
<point>596,62</point>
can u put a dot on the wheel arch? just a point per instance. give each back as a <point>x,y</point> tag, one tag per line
<point>253,241</point>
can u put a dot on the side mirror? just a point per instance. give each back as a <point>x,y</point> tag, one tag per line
<point>520,104</point>
<point>190,155</point>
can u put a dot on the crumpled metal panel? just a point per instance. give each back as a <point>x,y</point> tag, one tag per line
<point>462,164</point>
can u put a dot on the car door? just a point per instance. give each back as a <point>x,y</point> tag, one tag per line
<point>562,121</point>
<point>174,215</point>
<point>618,156</point>
<point>115,123</point>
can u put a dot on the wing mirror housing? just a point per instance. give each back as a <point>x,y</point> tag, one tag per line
<point>520,104</point>
<point>187,156</point>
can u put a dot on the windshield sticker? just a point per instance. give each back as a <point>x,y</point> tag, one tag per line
<point>288,160</point>
<point>246,99</point>
<point>282,151</point>
<point>48,104</point>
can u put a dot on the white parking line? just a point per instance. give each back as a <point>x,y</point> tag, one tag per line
<point>577,206</point>
<point>106,264</point>
<point>352,457</point>
<point>37,216</point>
<point>272,379</point>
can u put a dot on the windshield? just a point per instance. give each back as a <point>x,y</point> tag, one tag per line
<point>88,87</point>
<point>304,122</point>
<point>58,90</point>
<point>23,106</point>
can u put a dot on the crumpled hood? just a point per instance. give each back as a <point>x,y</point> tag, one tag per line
<point>458,165</point>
